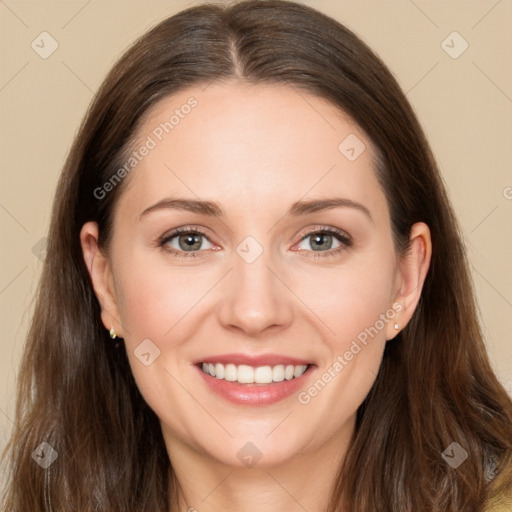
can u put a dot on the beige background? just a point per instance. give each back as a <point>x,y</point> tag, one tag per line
<point>464,104</point>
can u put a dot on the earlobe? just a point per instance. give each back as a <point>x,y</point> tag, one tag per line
<point>98,265</point>
<point>413,268</point>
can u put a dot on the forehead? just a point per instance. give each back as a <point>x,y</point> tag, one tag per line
<point>253,143</point>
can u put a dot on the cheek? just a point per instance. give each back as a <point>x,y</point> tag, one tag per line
<point>349,299</point>
<point>156,303</point>
<point>352,308</point>
<point>353,304</point>
<point>153,298</point>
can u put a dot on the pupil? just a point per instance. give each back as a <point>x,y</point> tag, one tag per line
<point>190,241</point>
<point>322,238</point>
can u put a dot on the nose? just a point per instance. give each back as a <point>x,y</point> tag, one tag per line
<point>255,299</point>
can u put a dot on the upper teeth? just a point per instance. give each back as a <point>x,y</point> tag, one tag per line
<point>248,375</point>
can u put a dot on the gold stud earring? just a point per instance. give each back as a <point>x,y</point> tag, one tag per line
<point>113,334</point>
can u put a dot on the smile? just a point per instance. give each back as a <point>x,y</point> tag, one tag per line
<point>245,374</point>
<point>252,380</point>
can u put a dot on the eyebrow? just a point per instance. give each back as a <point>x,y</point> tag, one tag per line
<point>213,209</point>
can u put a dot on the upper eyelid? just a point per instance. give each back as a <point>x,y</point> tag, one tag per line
<point>181,231</point>
<point>329,229</point>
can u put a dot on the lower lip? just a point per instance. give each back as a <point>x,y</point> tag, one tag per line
<point>252,394</point>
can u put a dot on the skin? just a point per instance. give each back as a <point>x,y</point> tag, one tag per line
<point>255,150</point>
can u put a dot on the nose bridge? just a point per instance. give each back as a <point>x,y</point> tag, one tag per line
<point>256,299</point>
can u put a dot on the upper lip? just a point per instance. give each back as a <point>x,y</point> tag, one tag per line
<point>254,360</point>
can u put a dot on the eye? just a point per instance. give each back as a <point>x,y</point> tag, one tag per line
<point>188,242</point>
<point>330,241</point>
<point>185,242</point>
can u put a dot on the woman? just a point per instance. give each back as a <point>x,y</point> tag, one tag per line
<point>255,294</point>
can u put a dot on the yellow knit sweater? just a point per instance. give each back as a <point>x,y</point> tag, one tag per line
<point>504,504</point>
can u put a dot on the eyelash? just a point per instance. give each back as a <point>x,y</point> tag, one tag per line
<point>341,236</point>
<point>180,231</point>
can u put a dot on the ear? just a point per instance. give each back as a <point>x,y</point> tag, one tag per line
<point>101,275</point>
<point>413,268</point>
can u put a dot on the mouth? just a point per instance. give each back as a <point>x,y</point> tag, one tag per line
<point>260,375</point>
<point>255,381</point>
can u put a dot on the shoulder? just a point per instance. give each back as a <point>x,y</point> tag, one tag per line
<point>503,504</point>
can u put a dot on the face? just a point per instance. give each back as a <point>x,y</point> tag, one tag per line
<point>252,242</point>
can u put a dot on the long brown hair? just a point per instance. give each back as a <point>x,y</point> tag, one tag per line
<point>435,385</point>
